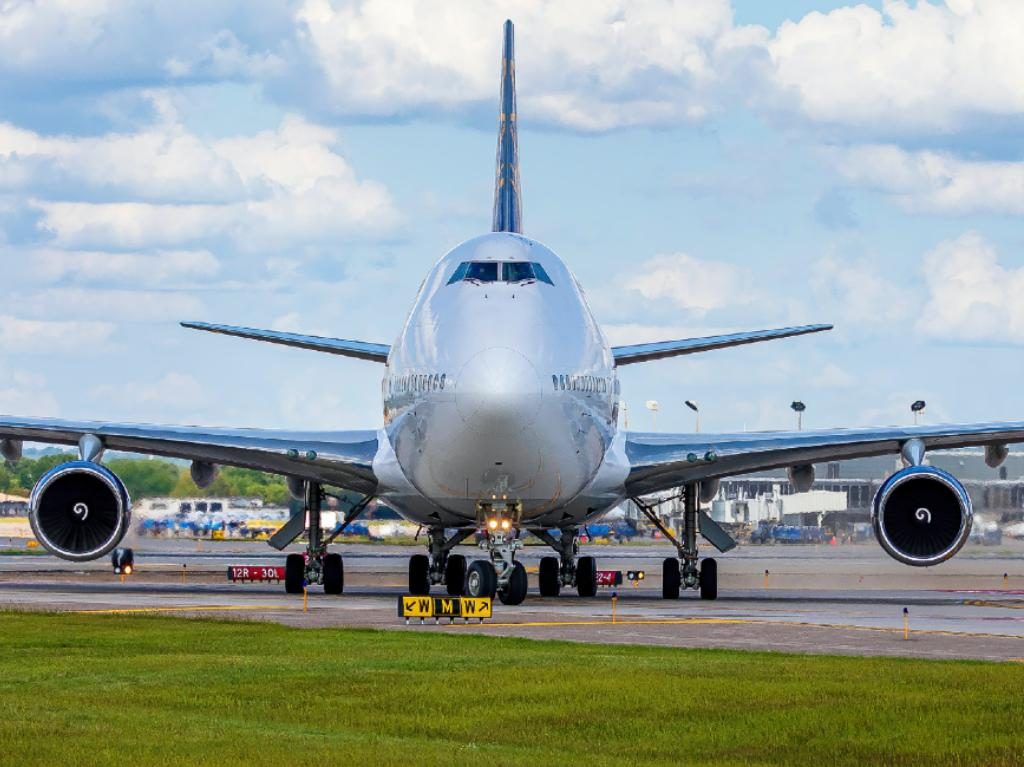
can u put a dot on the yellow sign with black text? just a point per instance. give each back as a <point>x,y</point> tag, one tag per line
<point>444,607</point>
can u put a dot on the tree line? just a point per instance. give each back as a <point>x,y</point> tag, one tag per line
<point>149,478</point>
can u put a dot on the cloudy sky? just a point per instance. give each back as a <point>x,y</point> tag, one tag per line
<point>702,165</point>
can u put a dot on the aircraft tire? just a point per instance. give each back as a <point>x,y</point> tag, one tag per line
<point>518,585</point>
<point>709,579</point>
<point>294,574</point>
<point>481,579</point>
<point>455,574</point>
<point>670,578</point>
<point>334,574</point>
<point>550,583</point>
<point>419,575</point>
<point>586,577</point>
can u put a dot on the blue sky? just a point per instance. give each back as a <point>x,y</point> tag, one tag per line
<point>702,166</point>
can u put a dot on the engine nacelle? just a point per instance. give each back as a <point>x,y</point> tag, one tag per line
<point>922,516</point>
<point>203,474</point>
<point>79,510</point>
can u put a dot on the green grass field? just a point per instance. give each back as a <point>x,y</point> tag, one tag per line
<point>78,690</point>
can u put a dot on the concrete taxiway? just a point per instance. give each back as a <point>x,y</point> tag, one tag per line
<point>822,599</point>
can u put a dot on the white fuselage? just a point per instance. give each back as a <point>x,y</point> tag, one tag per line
<point>500,389</point>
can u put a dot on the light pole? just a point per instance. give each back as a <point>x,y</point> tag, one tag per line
<point>654,407</point>
<point>917,408</point>
<point>693,406</point>
<point>799,408</point>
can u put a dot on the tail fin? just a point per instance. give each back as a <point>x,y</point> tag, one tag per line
<point>507,202</point>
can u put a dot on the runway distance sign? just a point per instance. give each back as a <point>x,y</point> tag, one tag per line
<point>245,573</point>
<point>444,607</point>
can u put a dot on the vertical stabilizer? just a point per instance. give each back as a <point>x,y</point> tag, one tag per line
<point>507,203</point>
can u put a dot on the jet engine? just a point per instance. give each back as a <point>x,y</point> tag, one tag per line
<point>79,510</point>
<point>922,516</point>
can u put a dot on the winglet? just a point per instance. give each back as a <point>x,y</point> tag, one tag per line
<point>507,202</point>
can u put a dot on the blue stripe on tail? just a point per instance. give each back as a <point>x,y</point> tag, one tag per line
<point>507,203</point>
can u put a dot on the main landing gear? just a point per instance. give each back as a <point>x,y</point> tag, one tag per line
<point>316,566</point>
<point>440,566</point>
<point>685,571</point>
<point>568,568</point>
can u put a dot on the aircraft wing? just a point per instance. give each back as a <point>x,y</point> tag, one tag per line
<point>342,458</point>
<point>664,461</point>
<point>629,355</point>
<point>362,350</point>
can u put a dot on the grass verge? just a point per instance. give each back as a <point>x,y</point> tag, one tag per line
<point>79,690</point>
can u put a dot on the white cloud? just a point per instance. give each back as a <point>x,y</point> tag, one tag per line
<point>855,292</point>
<point>152,269</point>
<point>924,67</point>
<point>108,304</point>
<point>690,283</point>
<point>172,187</point>
<point>174,391</point>
<point>832,376</point>
<point>25,393</point>
<point>584,64</point>
<point>50,337</point>
<point>935,182</point>
<point>971,296</point>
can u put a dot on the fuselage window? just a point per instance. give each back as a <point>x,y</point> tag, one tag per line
<point>561,381</point>
<point>554,382</point>
<point>443,376</point>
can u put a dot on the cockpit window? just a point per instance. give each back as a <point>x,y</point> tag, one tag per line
<point>482,271</point>
<point>492,271</point>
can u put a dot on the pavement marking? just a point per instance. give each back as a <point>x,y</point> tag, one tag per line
<point>194,608</point>
<point>735,621</point>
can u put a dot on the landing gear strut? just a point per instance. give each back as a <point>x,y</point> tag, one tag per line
<point>684,572</point>
<point>568,568</point>
<point>316,566</point>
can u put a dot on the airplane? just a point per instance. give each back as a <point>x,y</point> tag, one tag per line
<point>501,406</point>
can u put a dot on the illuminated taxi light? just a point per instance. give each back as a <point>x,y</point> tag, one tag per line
<point>492,524</point>
<point>505,524</point>
<point>128,570</point>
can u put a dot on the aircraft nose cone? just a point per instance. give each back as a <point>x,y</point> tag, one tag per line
<point>498,390</point>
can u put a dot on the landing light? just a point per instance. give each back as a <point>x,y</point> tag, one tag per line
<point>505,524</point>
<point>492,523</point>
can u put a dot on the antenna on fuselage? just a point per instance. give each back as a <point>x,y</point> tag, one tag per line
<point>507,202</point>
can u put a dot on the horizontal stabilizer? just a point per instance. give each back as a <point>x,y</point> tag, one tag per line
<point>628,355</point>
<point>358,349</point>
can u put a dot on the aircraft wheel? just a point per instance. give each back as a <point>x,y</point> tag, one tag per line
<point>294,573</point>
<point>550,582</point>
<point>419,575</point>
<point>518,584</point>
<point>481,579</point>
<point>709,579</point>
<point>586,577</point>
<point>670,578</point>
<point>455,574</point>
<point>334,574</point>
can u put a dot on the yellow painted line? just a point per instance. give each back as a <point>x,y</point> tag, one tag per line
<point>1015,605</point>
<point>196,608</point>
<point>620,622</point>
<point>735,621</point>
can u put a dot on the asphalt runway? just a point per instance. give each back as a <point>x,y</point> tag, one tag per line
<point>819,599</point>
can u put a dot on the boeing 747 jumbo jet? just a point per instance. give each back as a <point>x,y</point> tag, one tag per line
<point>501,399</point>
